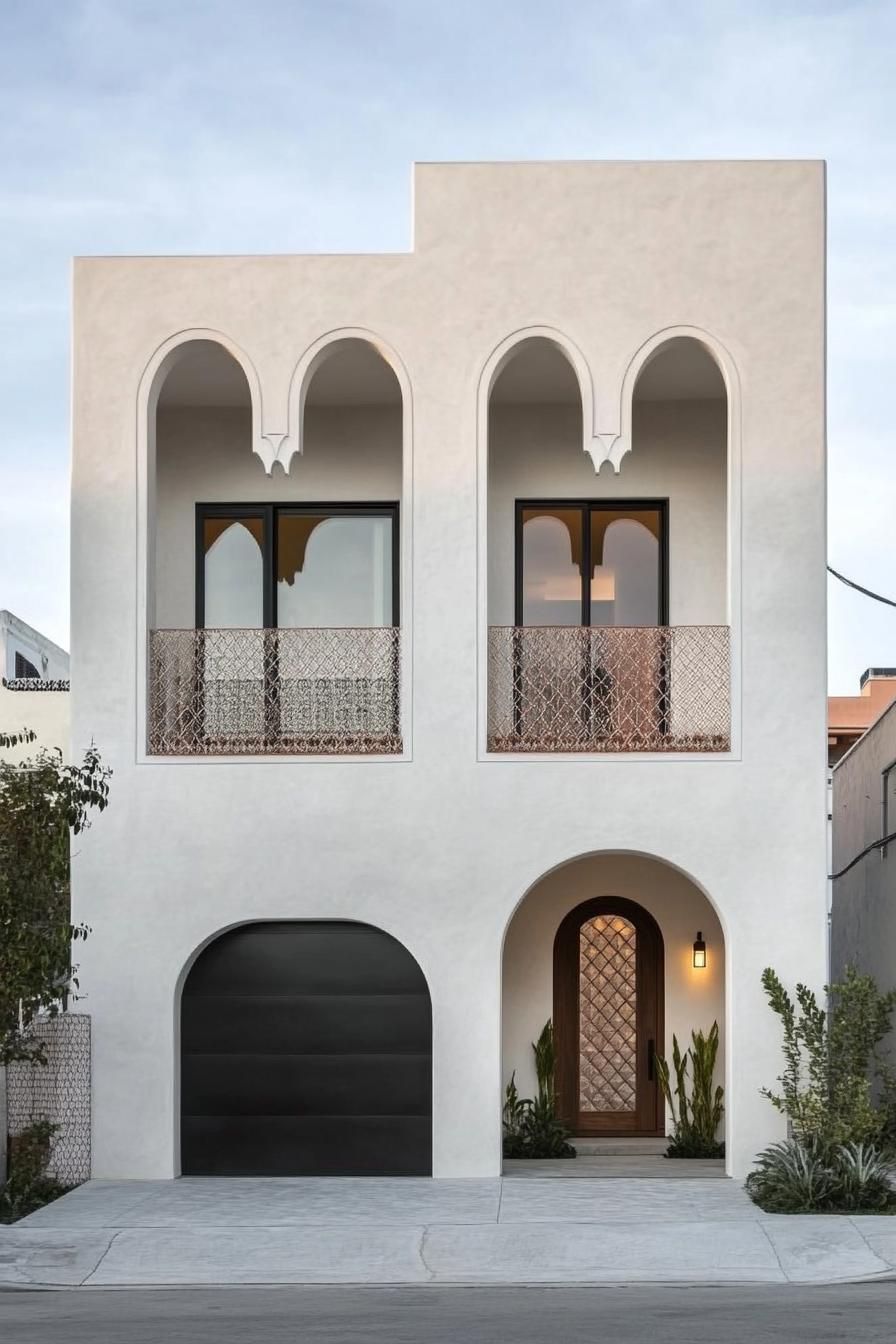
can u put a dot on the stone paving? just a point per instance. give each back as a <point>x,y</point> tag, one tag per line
<point>502,1231</point>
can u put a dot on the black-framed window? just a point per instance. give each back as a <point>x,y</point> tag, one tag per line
<point>887,804</point>
<point>591,562</point>
<point>296,565</point>
<point>25,668</point>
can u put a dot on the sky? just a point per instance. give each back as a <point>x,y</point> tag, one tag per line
<point>290,126</point>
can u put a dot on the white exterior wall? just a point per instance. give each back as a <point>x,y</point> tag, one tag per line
<point>439,847</point>
<point>47,713</point>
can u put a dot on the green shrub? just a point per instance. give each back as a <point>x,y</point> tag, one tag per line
<point>807,1176</point>
<point>698,1116</point>
<point>836,1087</point>
<point>532,1129</point>
<point>28,1187</point>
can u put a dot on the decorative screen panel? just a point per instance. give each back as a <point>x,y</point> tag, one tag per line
<point>607,1015</point>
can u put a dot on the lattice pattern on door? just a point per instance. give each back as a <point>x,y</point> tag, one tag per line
<point>607,1015</point>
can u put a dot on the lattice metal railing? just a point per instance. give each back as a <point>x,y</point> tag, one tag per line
<point>288,692</point>
<point>602,689</point>
<point>57,1091</point>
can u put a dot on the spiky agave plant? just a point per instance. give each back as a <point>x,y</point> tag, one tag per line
<point>695,1117</point>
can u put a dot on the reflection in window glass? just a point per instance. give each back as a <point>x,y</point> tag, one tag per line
<point>625,560</point>
<point>233,572</point>
<point>552,566</point>
<point>333,570</point>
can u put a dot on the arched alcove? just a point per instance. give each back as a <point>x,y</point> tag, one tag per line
<point>305,1050</point>
<point>678,416</point>
<point>202,436</point>
<point>534,439</point>
<point>609,596</point>
<point>603,946</point>
<point>275,585</point>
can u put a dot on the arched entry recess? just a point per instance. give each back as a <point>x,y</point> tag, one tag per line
<point>306,1050</point>
<point>608,1018</point>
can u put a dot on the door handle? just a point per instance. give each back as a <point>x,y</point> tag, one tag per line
<point>651,1055</point>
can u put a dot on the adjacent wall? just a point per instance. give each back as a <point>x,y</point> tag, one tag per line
<point>863,916</point>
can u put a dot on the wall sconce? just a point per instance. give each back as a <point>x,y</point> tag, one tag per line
<point>699,952</point>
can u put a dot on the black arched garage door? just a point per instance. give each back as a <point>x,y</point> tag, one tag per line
<point>306,1050</point>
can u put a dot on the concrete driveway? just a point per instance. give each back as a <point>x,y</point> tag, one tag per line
<point>202,1231</point>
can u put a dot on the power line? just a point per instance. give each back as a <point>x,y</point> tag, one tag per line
<point>875,844</point>
<point>859,589</point>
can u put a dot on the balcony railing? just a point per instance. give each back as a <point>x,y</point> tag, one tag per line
<point>601,689</point>
<point>326,692</point>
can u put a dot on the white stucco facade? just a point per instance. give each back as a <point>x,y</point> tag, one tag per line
<point>34,690</point>
<point>470,857</point>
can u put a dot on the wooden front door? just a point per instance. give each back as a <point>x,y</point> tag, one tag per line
<point>608,1018</point>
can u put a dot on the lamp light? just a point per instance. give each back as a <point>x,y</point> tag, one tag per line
<point>699,952</point>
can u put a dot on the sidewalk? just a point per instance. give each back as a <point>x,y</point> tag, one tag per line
<point>534,1231</point>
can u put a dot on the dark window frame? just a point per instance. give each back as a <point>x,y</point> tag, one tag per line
<point>587,507</point>
<point>885,819</point>
<point>25,670</point>
<point>269,514</point>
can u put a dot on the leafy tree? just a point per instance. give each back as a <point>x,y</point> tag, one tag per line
<point>833,1061</point>
<point>42,804</point>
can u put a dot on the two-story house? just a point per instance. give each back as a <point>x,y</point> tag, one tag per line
<point>454,622</point>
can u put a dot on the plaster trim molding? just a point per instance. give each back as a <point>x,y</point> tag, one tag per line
<point>504,352</point>
<point>619,442</point>
<point>171,351</point>
<point>318,353</point>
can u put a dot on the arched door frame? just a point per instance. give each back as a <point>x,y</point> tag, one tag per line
<point>649,1116</point>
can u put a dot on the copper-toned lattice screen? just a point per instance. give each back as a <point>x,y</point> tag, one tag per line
<point>645,688</point>
<point>58,1091</point>
<point>607,1015</point>
<point>254,692</point>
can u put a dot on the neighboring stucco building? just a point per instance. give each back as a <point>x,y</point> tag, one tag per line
<point>850,716</point>
<point>441,675</point>
<point>863,916</point>
<point>34,688</point>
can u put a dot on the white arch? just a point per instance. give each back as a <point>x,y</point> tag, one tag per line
<point>622,442</point>
<point>501,356</point>
<point>171,352</point>
<point>494,365</point>
<point>699,886</point>
<point>612,853</point>
<point>309,363</point>
<point>149,388</point>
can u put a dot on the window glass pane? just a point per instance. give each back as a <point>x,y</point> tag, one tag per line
<point>625,559</point>
<point>552,566</point>
<point>233,557</point>
<point>334,570</point>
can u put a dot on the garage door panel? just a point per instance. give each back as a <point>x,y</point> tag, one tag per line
<point>308,1085</point>
<point>306,1048</point>
<point>301,1023</point>
<point>330,958</point>
<point>307,1145</point>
